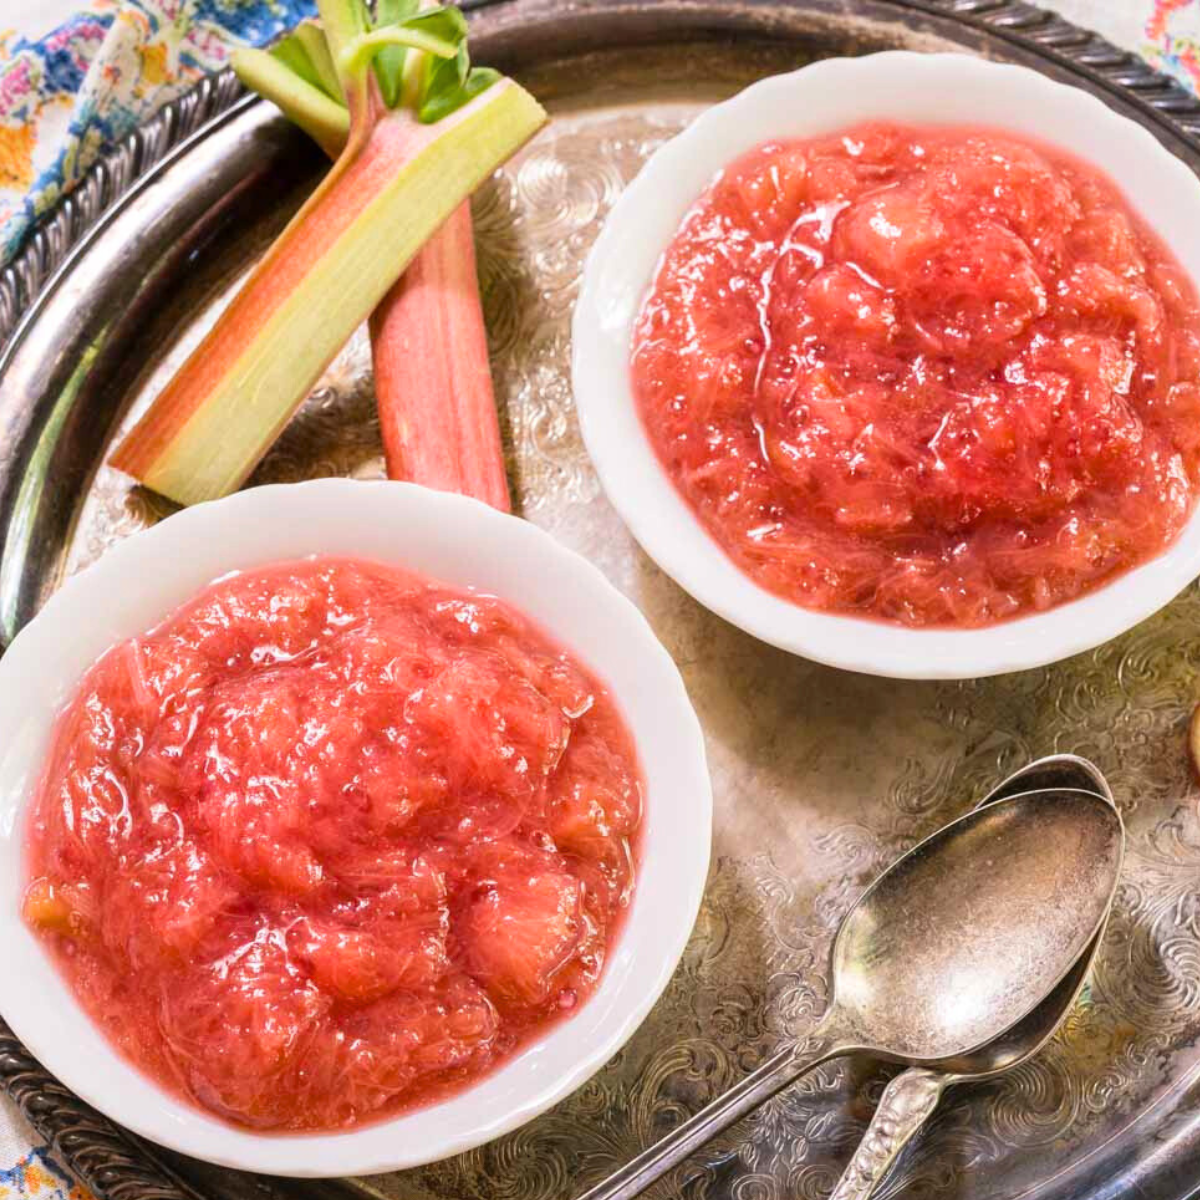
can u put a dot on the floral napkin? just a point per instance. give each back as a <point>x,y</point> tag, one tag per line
<point>67,96</point>
<point>63,99</point>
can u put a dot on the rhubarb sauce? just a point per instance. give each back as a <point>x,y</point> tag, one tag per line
<point>938,376</point>
<point>332,842</point>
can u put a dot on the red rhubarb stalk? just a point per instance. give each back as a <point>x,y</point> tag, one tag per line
<point>433,385</point>
<point>437,408</point>
<point>402,173</point>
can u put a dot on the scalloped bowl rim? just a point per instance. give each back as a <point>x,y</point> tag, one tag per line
<point>822,97</point>
<point>461,541</point>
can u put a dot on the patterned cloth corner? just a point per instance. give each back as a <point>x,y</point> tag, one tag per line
<point>67,96</point>
<point>1173,40</point>
<point>29,1168</point>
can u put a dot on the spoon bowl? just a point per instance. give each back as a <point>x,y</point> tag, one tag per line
<point>936,958</point>
<point>1031,1033</point>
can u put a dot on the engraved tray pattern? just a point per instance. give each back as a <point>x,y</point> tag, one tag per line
<point>821,777</point>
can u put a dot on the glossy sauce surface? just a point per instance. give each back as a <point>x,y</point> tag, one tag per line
<point>332,842</point>
<point>939,376</point>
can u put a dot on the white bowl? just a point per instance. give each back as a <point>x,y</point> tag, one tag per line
<point>450,538</point>
<point>905,87</point>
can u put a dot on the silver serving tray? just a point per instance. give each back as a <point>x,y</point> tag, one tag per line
<point>820,776</point>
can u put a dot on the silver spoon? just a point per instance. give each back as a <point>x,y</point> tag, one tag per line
<point>953,945</point>
<point>1054,771</point>
<point>911,1097</point>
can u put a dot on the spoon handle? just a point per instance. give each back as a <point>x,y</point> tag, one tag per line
<point>773,1076</point>
<point>908,1102</point>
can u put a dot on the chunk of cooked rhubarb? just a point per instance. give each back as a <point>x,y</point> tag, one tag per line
<point>398,179</point>
<point>517,937</point>
<point>45,908</point>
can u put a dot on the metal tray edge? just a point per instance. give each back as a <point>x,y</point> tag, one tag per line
<point>108,1161</point>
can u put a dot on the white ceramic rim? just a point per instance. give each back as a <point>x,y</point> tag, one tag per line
<point>904,86</point>
<point>139,581</point>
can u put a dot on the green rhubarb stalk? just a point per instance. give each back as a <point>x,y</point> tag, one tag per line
<point>433,384</point>
<point>322,117</point>
<point>402,172</point>
<point>306,54</point>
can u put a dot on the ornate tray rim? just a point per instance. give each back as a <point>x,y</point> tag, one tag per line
<point>109,1161</point>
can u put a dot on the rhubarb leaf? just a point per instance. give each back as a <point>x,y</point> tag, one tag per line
<point>342,21</point>
<point>439,104</point>
<point>312,37</point>
<point>447,23</point>
<point>411,33</point>
<point>478,80</point>
<point>444,80</point>
<point>293,54</point>
<point>389,63</point>
<point>450,83</point>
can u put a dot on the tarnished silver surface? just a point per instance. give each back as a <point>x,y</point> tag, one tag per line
<point>821,777</point>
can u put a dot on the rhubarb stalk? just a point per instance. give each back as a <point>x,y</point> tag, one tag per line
<point>402,172</point>
<point>437,407</point>
<point>433,385</point>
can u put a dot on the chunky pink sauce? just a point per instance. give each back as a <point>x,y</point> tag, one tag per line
<point>332,842</point>
<point>939,376</point>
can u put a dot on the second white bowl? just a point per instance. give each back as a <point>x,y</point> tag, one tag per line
<point>450,538</point>
<point>905,87</point>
